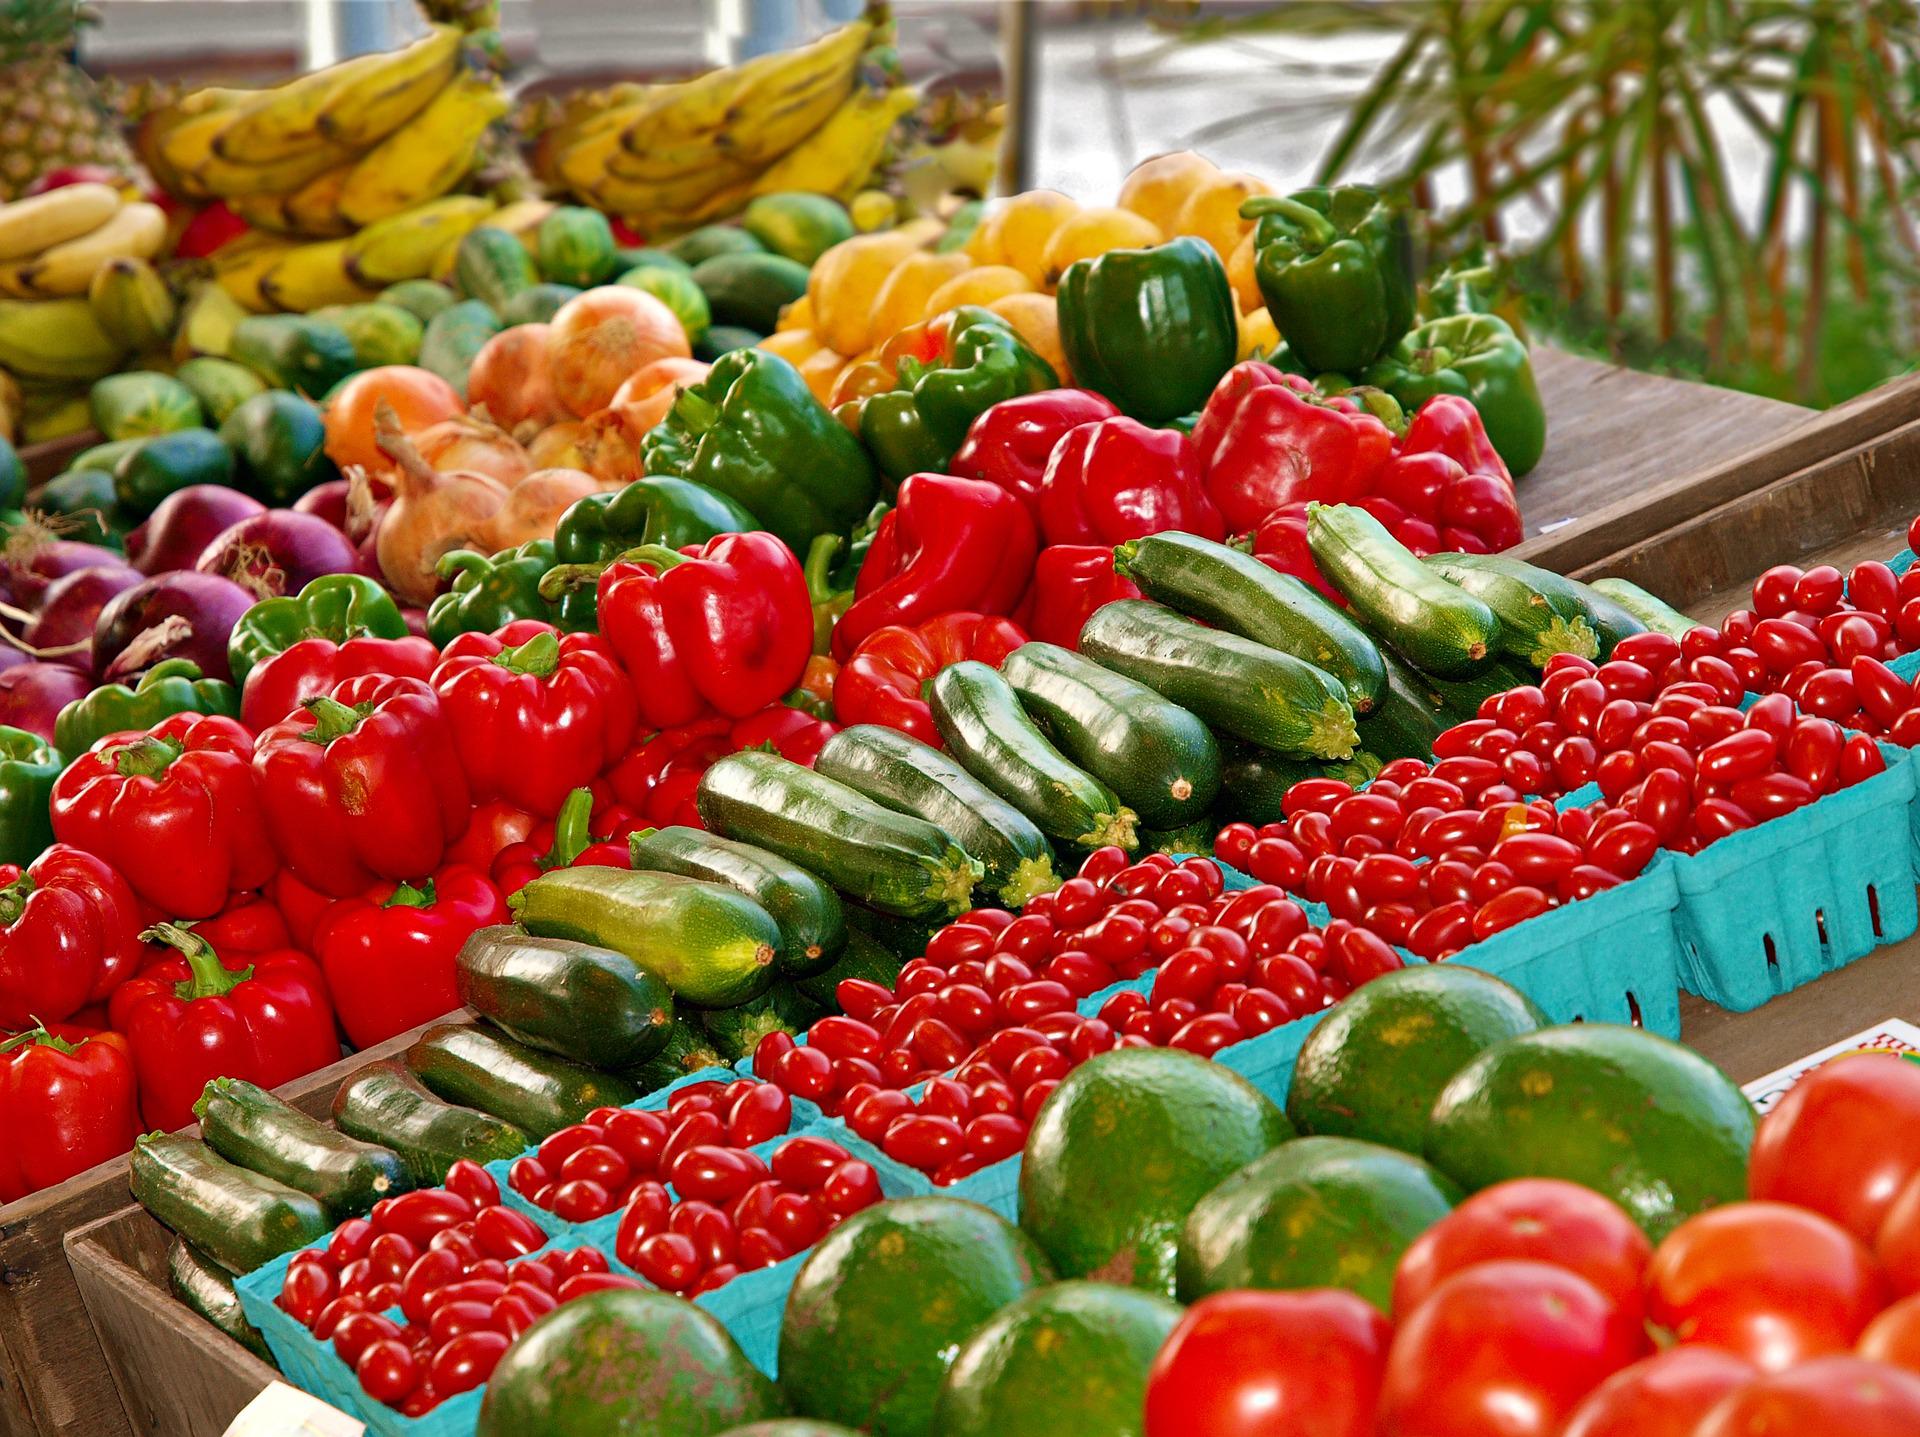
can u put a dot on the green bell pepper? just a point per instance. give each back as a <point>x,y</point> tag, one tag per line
<point>1479,357</point>
<point>28,767</point>
<point>1152,329</point>
<point>753,431</point>
<point>1335,267</point>
<point>656,509</point>
<point>333,606</point>
<point>172,686</point>
<point>490,591</point>
<point>973,361</point>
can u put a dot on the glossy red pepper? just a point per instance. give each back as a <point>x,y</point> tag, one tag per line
<point>279,685</point>
<point>658,778</point>
<point>64,1106</point>
<point>1449,424</point>
<point>1280,543</point>
<point>191,1018</point>
<point>568,841</point>
<point>363,784</point>
<point>885,681</point>
<point>535,713</point>
<point>1433,505</point>
<point>1010,443</point>
<point>69,935</point>
<point>1117,479</point>
<point>1070,581</point>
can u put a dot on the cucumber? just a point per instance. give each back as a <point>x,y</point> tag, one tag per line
<point>688,1049</point>
<point>247,1125</point>
<point>736,1032</point>
<point>812,923</point>
<point>1539,613</point>
<point>536,1092</point>
<point>1650,609</point>
<point>1408,719</point>
<point>980,718</point>
<point>1246,689</point>
<point>911,777</point>
<point>863,957</point>
<point>712,946</point>
<point>1256,782</point>
<point>1434,625</point>
<point>238,1218</point>
<point>384,1103</point>
<point>200,1282</point>
<point>1238,593</point>
<point>1158,757</point>
<point>894,861</point>
<point>581,1002</point>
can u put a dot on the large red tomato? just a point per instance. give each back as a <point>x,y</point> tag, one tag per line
<point>1898,1244</point>
<point>1543,1219</point>
<point>1774,1283</point>
<point>1664,1396</point>
<point>1503,1349</point>
<point>1894,1336</point>
<point>1842,1141</point>
<point>1828,1397</point>
<point>1270,1364</point>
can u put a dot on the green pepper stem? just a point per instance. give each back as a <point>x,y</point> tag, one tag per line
<point>331,719</point>
<point>818,568</point>
<point>637,837</point>
<point>456,562</point>
<point>538,656</point>
<point>148,756</point>
<point>658,555</point>
<point>40,1037</point>
<point>13,899</point>
<point>168,669</point>
<point>1319,229</point>
<point>408,896</point>
<point>1432,360</point>
<point>695,412</point>
<point>571,837</point>
<point>210,976</point>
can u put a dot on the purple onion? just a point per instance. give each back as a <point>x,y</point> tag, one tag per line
<point>32,564</point>
<point>186,521</point>
<point>32,695</point>
<point>72,606</point>
<point>182,614</point>
<point>277,552</point>
<point>326,501</point>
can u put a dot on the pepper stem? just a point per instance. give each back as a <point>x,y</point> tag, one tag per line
<point>331,719</point>
<point>13,899</point>
<point>696,413</point>
<point>1318,228</point>
<point>148,756</point>
<point>210,976</point>
<point>1433,360</point>
<point>818,567</point>
<point>538,656</point>
<point>570,835</point>
<point>658,555</point>
<point>407,896</point>
<point>562,579</point>
<point>40,1037</point>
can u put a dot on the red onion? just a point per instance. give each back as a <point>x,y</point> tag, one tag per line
<point>326,501</point>
<point>71,607</point>
<point>32,695</point>
<point>178,615</point>
<point>186,521</point>
<point>278,552</point>
<point>36,555</point>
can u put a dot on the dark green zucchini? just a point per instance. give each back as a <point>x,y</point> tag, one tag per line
<point>1436,626</point>
<point>980,718</point>
<point>583,1002</point>
<point>1650,610</point>
<point>247,1125</point>
<point>908,776</point>
<point>200,1282</point>
<point>688,1050</point>
<point>736,1032</point>
<point>1236,592</point>
<point>1613,619</point>
<point>1196,837</point>
<point>864,957</point>
<point>1409,717</point>
<point>536,1092</point>
<point>1158,757</point>
<point>1457,700</point>
<point>1235,685</point>
<point>384,1103</point>
<point>236,1217</point>
<point>1540,613</point>
<point>812,924</point>
<point>903,937</point>
<point>1255,782</point>
<point>891,860</point>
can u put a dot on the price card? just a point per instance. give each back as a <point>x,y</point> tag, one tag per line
<point>1892,1035</point>
<point>283,1411</point>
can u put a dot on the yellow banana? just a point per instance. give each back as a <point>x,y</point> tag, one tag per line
<point>238,268</point>
<point>284,122</point>
<point>42,221</point>
<point>376,104</point>
<point>837,158</point>
<point>186,142</point>
<point>522,218</point>
<point>688,193</point>
<point>55,339</point>
<point>312,276</point>
<point>404,246</point>
<point>426,157</point>
<point>767,131</point>
<point>132,303</point>
<point>12,403</point>
<point>314,208</point>
<point>265,212</point>
<point>54,414</point>
<point>137,230</point>
<point>580,156</point>
<point>579,124</point>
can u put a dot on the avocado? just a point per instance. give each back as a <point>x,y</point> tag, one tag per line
<point>750,290</point>
<point>1373,1066</point>
<point>709,240</point>
<point>1315,1212</point>
<point>1644,1121</point>
<point>1124,1148</point>
<point>791,1427</point>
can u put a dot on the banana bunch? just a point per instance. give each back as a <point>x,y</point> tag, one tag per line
<point>331,152</point>
<point>51,244</point>
<point>668,158</point>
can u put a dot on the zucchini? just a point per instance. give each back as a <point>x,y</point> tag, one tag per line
<point>910,777</point>
<point>238,1218</point>
<point>1540,614</point>
<point>1613,619</point>
<point>1158,757</point>
<point>711,945</point>
<point>863,957</point>
<point>812,924</point>
<point>1408,719</point>
<point>1457,700</point>
<point>688,1049</point>
<point>1650,609</point>
<point>536,1092</point>
<point>582,1002</point>
<point>1238,593</point>
<point>893,861</point>
<point>1258,781</point>
<point>247,1125</point>
<point>980,718</point>
<point>904,938</point>
<point>384,1103</point>
<point>200,1282</point>
<point>736,1032</point>
<point>1235,685</point>
<point>1436,626</point>
<point>1192,838</point>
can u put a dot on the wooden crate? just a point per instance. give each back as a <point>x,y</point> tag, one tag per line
<point>43,461</point>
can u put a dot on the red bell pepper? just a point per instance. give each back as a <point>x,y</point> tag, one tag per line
<point>300,906</point>
<point>1116,479</point>
<point>248,924</point>
<point>1010,443</point>
<point>1070,581</point>
<point>494,827</point>
<point>191,1018</point>
<point>885,681</point>
<point>728,629</point>
<point>658,779</point>
<point>388,954</point>
<point>1449,424</point>
<point>949,544</point>
<point>535,714</point>
<point>568,840</point>
<point>312,667</point>
<point>173,809</point>
<point>1268,438</point>
<point>1281,544</point>
<point>1432,505</point>
<point>363,784</point>
<point>69,935</point>
<point>65,1106</point>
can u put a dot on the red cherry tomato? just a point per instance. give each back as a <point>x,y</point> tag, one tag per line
<point>1662,1396</point>
<point>1843,1141</point>
<point>387,1371</point>
<point>467,1361</point>
<point>1831,1395</point>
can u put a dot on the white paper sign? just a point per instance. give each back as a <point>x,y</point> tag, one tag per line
<point>1891,1035</point>
<point>283,1411</point>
